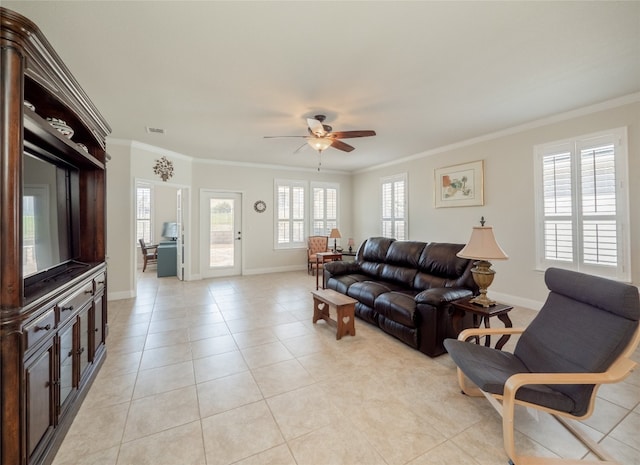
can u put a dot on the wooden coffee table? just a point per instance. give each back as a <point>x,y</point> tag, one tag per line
<point>344,306</point>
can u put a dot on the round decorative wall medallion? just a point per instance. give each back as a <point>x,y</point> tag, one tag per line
<point>163,168</point>
<point>260,206</point>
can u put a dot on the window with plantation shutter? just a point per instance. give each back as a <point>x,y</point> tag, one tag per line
<point>582,204</point>
<point>290,214</point>
<point>324,208</point>
<point>394,206</point>
<point>143,213</point>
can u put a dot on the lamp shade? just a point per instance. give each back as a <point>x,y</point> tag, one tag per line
<point>319,143</point>
<point>335,234</point>
<point>351,243</point>
<point>482,245</point>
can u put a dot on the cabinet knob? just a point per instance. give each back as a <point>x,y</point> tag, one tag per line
<point>80,350</point>
<point>89,292</point>
<point>42,328</point>
<point>64,309</point>
<point>96,330</point>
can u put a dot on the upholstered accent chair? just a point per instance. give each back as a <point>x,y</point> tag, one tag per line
<point>149,254</point>
<point>315,244</point>
<point>583,337</point>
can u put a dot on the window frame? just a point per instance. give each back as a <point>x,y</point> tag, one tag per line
<point>401,177</point>
<point>575,147</point>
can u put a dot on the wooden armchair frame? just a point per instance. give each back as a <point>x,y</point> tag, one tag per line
<point>315,244</point>
<point>505,404</point>
<point>149,254</point>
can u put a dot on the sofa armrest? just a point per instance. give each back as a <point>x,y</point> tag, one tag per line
<point>338,268</point>
<point>440,295</point>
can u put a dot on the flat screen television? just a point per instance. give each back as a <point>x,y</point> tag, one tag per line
<point>49,213</point>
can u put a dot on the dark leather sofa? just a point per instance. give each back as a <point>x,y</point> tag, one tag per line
<point>406,288</point>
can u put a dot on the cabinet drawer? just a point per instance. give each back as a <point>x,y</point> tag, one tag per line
<point>40,327</point>
<point>100,281</point>
<point>76,301</point>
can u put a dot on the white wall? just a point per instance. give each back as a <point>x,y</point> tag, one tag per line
<point>257,183</point>
<point>508,189</point>
<point>120,231</point>
<point>509,197</point>
<point>164,208</point>
<point>133,160</point>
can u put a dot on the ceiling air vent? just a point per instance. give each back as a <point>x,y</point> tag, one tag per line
<point>151,130</point>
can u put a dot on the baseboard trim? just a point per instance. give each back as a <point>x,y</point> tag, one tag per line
<point>121,295</point>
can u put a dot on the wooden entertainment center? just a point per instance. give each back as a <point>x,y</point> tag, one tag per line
<point>53,316</point>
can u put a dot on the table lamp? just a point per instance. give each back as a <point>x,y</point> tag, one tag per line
<point>335,235</point>
<point>482,247</point>
<point>351,244</point>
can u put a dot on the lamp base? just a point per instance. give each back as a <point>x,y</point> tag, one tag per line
<point>483,301</point>
<point>483,277</point>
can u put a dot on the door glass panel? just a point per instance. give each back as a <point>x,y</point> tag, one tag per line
<point>66,364</point>
<point>221,242</point>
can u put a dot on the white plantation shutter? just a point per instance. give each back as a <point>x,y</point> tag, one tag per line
<point>324,208</point>
<point>558,224</point>
<point>394,206</point>
<point>290,211</point>
<point>582,206</point>
<point>143,212</point>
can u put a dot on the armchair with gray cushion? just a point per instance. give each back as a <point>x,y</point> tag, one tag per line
<point>583,337</point>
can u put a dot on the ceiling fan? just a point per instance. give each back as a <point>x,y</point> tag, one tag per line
<point>321,136</point>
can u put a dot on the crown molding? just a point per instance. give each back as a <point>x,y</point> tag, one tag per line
<point>602,106</point>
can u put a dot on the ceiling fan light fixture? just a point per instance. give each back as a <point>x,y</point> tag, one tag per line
<point>319,143</point>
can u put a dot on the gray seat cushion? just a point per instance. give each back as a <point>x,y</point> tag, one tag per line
<point>583,327</point>
<point>490,369</point>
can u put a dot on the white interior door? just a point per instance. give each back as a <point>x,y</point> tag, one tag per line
<point>221,234</point>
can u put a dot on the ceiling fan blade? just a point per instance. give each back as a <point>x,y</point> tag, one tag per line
<point>342,146</point>
<point>316,127</point>
<point>352,134</point>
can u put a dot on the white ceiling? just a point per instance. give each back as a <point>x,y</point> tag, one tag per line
<point>218,76</point>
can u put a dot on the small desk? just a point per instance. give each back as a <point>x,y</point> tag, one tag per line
<point>167,259</point>
<point>321,259</point>
<point>481,314</point>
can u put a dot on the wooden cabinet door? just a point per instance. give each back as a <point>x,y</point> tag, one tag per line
<point>39,381</point>
<point>83,348</point>
<point>66,380</point>
<point>99,321</point>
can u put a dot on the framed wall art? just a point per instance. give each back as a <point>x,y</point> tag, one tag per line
<point>460,185</point>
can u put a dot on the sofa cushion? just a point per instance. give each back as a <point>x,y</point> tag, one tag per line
<point>368,291</point>
<point>374,254</point>
<point>398,306</point>
<point>439,266</point>
<point>401,262</point>
<point>341,283</point>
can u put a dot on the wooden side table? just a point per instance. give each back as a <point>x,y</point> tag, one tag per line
<point>321,259</point>
<point>483,314</point>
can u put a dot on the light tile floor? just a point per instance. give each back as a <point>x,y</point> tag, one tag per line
<point>232,371</point>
